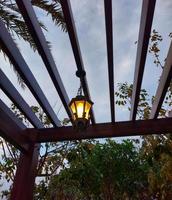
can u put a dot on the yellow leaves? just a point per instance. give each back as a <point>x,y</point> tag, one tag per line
<point>169,143</point>
<point>90,146</point>
<point>166,171</point>
<point>152,180</point>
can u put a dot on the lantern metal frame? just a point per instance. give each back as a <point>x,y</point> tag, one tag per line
<point>80,123</point>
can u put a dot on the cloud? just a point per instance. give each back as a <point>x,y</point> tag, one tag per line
<point>90,23</point>
<point>125,67</point>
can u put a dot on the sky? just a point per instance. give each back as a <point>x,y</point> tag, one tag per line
<point>90,25</point>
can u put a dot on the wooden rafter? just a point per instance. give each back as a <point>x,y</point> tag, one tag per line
<point>68,15</point>
<point>148,8</point>
<point>104,130</point>
<point>164,83</point>
<point>27,139</point>
<point>34,28</point>
<point>11,50</point>
<point>11,128</point>
<point>117,129</point>
<point>109,39</point>
<point>18,100</point>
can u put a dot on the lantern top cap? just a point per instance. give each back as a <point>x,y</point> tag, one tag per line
<point>80,98</point>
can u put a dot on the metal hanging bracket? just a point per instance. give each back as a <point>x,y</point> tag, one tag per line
<point>80,73</point>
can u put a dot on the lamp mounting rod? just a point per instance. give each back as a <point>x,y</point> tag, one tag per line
<point>79,93</point>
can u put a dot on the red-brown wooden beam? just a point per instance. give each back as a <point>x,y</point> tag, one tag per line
<point>170,114</point>
<point>23,186</point>
<point>164,83</point>
<point>10,49</point>
<point>34,29</point>
<point>109,41</point>
<point>68,15</point>
<point>11,128</point>
<point>14,95</point>
<point>104,130</point>
<point>148,8</point>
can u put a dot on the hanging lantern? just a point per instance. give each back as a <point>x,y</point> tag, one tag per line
<point>80,107</point>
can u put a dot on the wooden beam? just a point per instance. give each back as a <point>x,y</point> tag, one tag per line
<point>34,28</point>
<point>24,181</point>
<point>11,50</point>
<point>164,83</point>
<point>18,100</point>
<point>104,130</point>
<point>68,15</point>
<point>148,8</point>
<point>11,128</point>
<point>109,41</point>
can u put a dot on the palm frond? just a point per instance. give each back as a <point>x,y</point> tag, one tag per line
<point>19,78</point>
<point>52,8</point>
<point>11,16</point>
<point>15,24</point>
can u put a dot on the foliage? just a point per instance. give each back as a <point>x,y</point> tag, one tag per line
<point>157,149</point>
<point>159,158</point>
<point>124,95</point>
<point>51,156</point>
<point>100,171</point>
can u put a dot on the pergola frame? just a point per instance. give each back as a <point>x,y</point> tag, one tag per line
<point>27,139</point>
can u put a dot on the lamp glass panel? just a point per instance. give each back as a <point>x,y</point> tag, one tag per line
<point>73,110</point>
<point>87,109</point>
<point>80,108</point>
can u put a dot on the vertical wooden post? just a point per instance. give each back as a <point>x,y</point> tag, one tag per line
<point>24,181</point>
